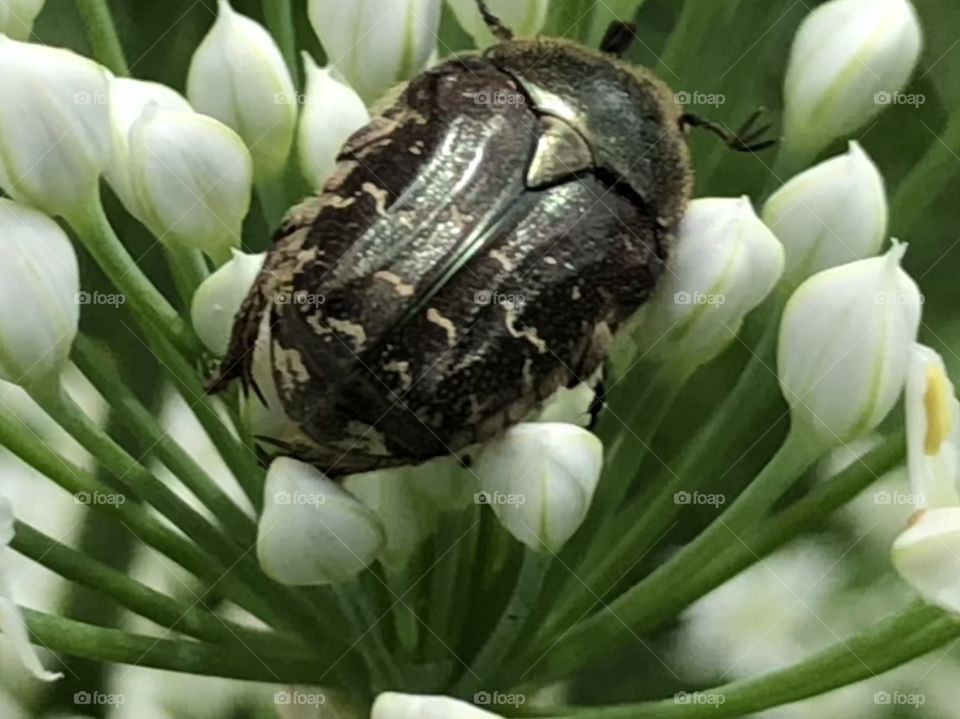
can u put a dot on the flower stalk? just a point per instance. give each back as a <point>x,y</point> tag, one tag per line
<point>102,34</point>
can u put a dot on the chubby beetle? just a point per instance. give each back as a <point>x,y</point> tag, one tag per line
<point>475,251</point>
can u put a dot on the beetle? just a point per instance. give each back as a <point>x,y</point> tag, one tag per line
<point>476,249</point>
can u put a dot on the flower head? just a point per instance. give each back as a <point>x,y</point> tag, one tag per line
<point>539,479</point>
<point>833,213</point>
<point>331,113</point>
<point>39,296</point>
<point>312,531</point>
<point>391,705</point>
<point>239,77</point>
<point>725,263</point>
<point>217,301</point>
<point>524,17</point>
<point>845,343</point>
<point>54,164</point>
<point>848,58</point>
<point>378,43</point>
<point>192,179</point>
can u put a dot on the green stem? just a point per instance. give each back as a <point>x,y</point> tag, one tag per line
<point>239,458</point>
<point>644,604</point>
<point>189,270</point>
<point>511,624</point>
<point>926,180</point>
<point>644,522</point>
<point>141,599</point>
<point>95,232</point>
<point>902,637</point>
<point>354,605</point>
<point>296,612</point>
<point>97,367</point>
<point>64,635</point>
<point>22,442</point>
<point>272,194</point>
<point>279,17</point>
<point>102,34</point>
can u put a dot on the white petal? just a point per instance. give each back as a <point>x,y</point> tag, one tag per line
<point>408,706</point>
<point>539,479</point>
<point>312,531</point>
<point>927,555</point>
<point>217,301</point>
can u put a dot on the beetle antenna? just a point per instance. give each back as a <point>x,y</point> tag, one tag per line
<point>746,139</point>
<point>619,38</point>
<point>499,30</point>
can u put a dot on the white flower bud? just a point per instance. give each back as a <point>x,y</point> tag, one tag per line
<point>312,531</point>
<point>12,627</point>
<point>834,213</point>
<point>129,98</point>
<point>724,264</point>
<point>848,59</point>
<point>410,706</point>
<point>539,479</point>
<point>217,301</point>
<point>331,113</point>
<point>933,430</point>
<point>927,555</point>
<point>239,77</point>
<point>845,343</point>
<point>39,296</point>
<point>17,16</point>
<point>55,138</point>
<point>377,43</point>
<point>192,179</point>
<point>524,17</point>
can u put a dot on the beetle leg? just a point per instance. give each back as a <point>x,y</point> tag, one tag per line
<point>499,30</point>
<point>744,140</point>
<point>619,38</point>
